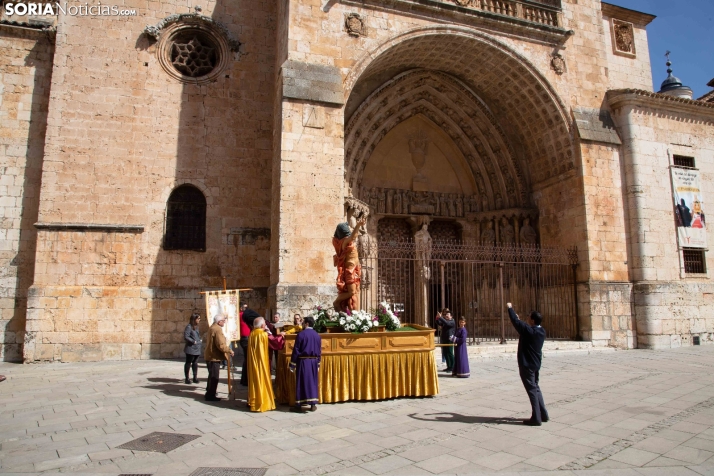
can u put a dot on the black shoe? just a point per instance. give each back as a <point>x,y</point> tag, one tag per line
<point>313,408</point>
<point>531,423</point>
<point>297,409</point>
<point>187,381</point>
<point>545,420</point>
<point>195,380</point>
<point>448,370</point>
<point>213,399</point>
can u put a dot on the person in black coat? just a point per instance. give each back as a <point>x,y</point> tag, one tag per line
<point>530,354</point>
<point>249,316</point>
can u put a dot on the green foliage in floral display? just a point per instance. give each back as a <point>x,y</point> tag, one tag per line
<point>324,317</point>
<point>386,317</point>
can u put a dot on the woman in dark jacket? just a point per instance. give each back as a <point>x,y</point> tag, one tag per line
<point>193,346</point>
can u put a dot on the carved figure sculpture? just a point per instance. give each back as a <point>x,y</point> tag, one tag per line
<point>382,202</point>
<point>373,200</point>
<point>488,236</point>
<point>346,260</point>
<point>422,240</point>
<point>398,203</point>
<point>459,206</point>
<point>508,235</point>
<point>528,234</point>
<point>390,201</point>
<point>499,201</point>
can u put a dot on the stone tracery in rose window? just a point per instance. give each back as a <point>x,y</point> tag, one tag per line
<point>193,57</point>
<point>193,48</point>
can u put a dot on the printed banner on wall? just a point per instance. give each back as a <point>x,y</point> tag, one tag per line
<point>689,208</point>
<point>226,303</point>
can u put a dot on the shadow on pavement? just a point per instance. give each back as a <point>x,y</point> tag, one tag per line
<point>457,418</point>
<point>176,388</point>
<point>195,391</point>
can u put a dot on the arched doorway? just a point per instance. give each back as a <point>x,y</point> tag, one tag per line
<point>469,136</point>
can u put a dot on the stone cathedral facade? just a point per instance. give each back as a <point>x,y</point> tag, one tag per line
<point>147,157</point>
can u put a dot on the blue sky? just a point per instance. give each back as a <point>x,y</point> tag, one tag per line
<point>685,28</point>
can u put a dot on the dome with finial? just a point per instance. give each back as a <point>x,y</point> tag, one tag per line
<point>672,86</point>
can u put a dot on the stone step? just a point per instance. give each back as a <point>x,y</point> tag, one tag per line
<point>489,351</point>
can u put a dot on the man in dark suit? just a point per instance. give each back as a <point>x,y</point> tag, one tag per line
<point>530,353</point>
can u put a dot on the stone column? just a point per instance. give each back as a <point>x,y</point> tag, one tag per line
<point>308,186</point>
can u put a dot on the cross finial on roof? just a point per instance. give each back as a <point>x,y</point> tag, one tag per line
<point>669,62</point>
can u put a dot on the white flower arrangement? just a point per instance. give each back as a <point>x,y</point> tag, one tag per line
<point>358,321</point>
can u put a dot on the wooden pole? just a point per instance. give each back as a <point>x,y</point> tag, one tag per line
<point>229,361</point>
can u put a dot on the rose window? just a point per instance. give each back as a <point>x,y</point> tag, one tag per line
<point>193,56</point>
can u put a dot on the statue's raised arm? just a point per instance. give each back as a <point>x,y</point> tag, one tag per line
<point>349,271</point>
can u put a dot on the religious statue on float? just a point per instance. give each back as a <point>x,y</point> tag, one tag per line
<point>349,271</point>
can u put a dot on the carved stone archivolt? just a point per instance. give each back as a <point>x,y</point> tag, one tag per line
<point>192,47</point>
<point>529,109</point>
<point>460,113</point>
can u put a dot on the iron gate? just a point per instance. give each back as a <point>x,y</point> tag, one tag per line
<point>473,281</point>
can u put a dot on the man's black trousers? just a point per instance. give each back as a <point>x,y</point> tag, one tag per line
<point>529,377</point>
<point>244,373</point>
<point>214,372</point>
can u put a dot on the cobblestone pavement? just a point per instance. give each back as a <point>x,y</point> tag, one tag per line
<point>624,413</point>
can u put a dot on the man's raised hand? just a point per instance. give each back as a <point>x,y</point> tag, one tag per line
<point>508,305</point>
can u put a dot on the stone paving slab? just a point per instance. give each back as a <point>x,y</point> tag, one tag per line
<point>617,413</point>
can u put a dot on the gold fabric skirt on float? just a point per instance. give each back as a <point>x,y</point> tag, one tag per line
<point>382,370</point>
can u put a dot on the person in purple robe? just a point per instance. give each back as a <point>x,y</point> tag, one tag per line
<point>461,357</point>
<point>305,362</point>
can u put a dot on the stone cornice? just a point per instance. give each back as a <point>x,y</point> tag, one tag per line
<point>621,13</point>
<point>107,228</point>
<point>617,98</point>
<point>28,30</point>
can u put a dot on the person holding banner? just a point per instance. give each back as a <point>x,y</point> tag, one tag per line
<point>216,350</point>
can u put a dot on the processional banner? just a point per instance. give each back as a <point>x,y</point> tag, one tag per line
<point>226,303</point>
<point>689,208</point>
